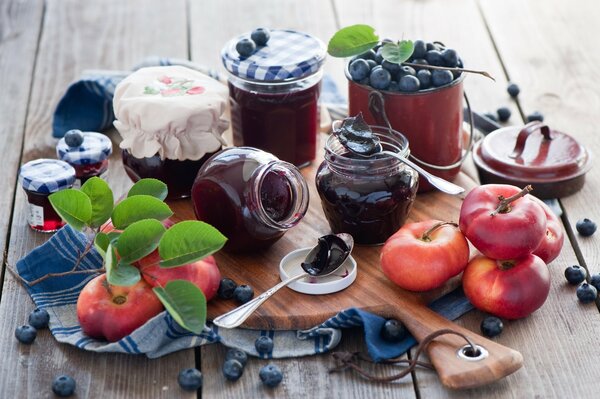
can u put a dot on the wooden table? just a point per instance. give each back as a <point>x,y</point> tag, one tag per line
<point>549,47</point>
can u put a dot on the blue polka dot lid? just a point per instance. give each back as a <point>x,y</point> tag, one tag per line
<point>288,55</point>
<point>95,147</point>
<point>46,176</point>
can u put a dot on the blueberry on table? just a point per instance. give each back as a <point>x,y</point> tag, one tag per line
<point>575,274</point>
<point>39,319</point>
<point>586,293</point>
<point>409,83</point>
<point>243,293</point>
<point>359,69</point>
<point>63,386</point>
<point>450,58</point>
<point>595,281</point>
<point>263,344</point>
<point>513,89</point>
<point>260,36</point>
<point>503,114</point>
<point>190,379</point>
<point>535,116</point>
<point>434,57</point>
<point>420,48</point>
<point>585,227</point>
<point>245,47</point>
<point>226,288</point>
<point>238,355</point>
<point>424,77</point>
<point>380,78</point>
<point>491,116</point>
<point>25,334</point>
<point>232,369</point>
<point>441,77</point>
<point>270,375</point>
<point>74,138</point>
<point>393,331</point>
<point>491,326</point>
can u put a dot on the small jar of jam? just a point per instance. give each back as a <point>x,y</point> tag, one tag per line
<point>274,92</point>
<point>171,120</point>
<point>86,152</point>
<point>369,198</point>
<point>250,196</point>
<point>39,179</point>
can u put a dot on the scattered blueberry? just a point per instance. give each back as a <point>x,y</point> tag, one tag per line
<point>270,375</point>
<point>260,36</point>
<point>74,138</point>
<point>409,83</point>
<point>226,288</point>
<point>420,48</point>
<point>238,355</point>
<point>585,227</point>
<point>25,334</point>
<point>420,61</point>
<point>441,77</point>
<point>503,114</point>
<point>513,90</point>
<point>535,116</point>
<point>450,57</point>
<point>243,293</point>
<point>586,293</point>
<point>190,379</point>
<point>405,70</point>
<point>491,326</point>
<point>380,78</point>
<point>232,369</point>
<point>424,77</point>
<point>393,331</point>
<point>63,386</point>
<point>575,274</point>
<point>491,116</point>
<point>263,344</point>
<point>359,69</point>
<point>372,64</point>
<point>595,281</point>
<point>245,47</point>
<point>392,67</point>
<point>39,319</point>
<point>434,57</point>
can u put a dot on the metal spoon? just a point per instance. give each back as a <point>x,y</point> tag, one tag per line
<point>324,259</point>
<point>371,145</point>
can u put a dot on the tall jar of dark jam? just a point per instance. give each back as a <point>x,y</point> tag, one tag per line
<point>274,92</point>
<point>369,198</point>
<point>250,196</point>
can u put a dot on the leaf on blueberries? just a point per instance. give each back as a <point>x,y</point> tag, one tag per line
<point>398,53</point>
<point>117,273</point>
<point>101,197</point>
<point>152,187</point>
<point>352,40</point>
<point>139,239</point>
<point>73,206</point>
<point>185,303</point>
<point>139,207</point>
<point>189,241</point>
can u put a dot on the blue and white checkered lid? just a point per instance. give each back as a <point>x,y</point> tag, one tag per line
<point>96,147</point>
<point>46,176</point>
<point>288,55</point>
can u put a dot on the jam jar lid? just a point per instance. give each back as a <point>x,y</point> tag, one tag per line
<point>46,176</point>
<point>288,55</point>
<point>533,153</point>
<point>96,147</point>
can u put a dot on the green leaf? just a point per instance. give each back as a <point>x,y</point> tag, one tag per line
<point>102,200</point>
<point>152,187</point>
<point>73,206</point>
<point>137,208</point>
<point>117,273</point>
<point>139,239</point>
<point>399,52</point>
<point>185,303</point>
<point>101,242</point>
<point>189,241</point>
<point>352,40</point>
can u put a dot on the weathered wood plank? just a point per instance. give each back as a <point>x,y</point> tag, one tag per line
<point>110,35</point>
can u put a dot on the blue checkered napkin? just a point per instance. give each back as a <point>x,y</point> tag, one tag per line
<point>95,148</point>
<point>162,335</point>
<point>287,55</point>
<point>46,176</point>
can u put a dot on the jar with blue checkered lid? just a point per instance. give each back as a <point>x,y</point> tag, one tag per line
<point>39,179</point>
<point>86,152</point>
<point>274,92</point>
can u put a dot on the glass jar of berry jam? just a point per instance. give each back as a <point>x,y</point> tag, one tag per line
<point>274,92</point>
<point>171,120</point>
<point>86,152</point>
<point>39,179</point>
<point>369,198</point>
<point>250,196</point>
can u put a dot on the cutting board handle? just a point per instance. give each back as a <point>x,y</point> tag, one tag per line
<point>454,370</point>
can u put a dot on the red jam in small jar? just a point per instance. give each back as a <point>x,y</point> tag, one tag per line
<point>250,196</point>
<point>89,157</point>
<point>39,179</point>
<point>369,198</point>
<point>274,94</point>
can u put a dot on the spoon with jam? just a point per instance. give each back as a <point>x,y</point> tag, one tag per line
<point>358,138</point>
<point>322,260</point>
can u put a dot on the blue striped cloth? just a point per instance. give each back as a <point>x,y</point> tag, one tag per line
<point>162,335</point>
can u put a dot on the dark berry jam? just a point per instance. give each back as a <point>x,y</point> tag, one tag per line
<point>177,175</point>
<point>41,215</point>
<point>84,172</point>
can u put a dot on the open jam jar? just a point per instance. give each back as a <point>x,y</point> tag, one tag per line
<point>39,179</point>
<point>250,196</point>
<point>89,158</point>
<point>369,198</point>
<point>273,95</point>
